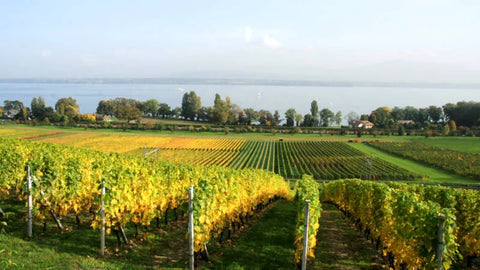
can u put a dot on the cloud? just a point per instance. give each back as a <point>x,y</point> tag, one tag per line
<point>45,53</point>
<point>271,42</point>
<point>248,34</point>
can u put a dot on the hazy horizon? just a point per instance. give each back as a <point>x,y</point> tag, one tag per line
<point>361,100</point>
<point>349,41</point>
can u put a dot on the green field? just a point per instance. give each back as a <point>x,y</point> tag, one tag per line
<point>461,144</point>
<point>434,174</point>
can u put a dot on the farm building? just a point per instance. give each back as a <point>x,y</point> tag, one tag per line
<point>362,124</point>
<point>405,122</point>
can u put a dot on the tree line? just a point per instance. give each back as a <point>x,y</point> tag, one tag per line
<point>66,110</point>
<point>462,113</point>
<point>225,112</point>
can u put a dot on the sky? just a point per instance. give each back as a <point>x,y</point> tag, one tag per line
<point>434,41</point>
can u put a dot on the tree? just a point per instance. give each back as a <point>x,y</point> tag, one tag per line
<point>463,113</point>
<point>205,114</point>
<point>326,117</point>
<point>38,108</point>
<point>270,118</point>
<point>276,118</point>
<point>177,112</point>
<point>298,119</point>
<point>25,113</point>
<point>398,113</point>
<point>250,115</point>
<point>307,120</point>
<point>129,112</point>
<point>452,125</point>
<point>411,113</point>
<point>290,117</point>
<point>67,107</point>
<point>381,117</point>
<point>49,114</point>
<point>150,107</point>
<point>435,113</point>
<point>314,112</point>
<point>422,117</point>
<point>446,130</point>
<point>106,108</point>
<point>351,117</point>
<point>191,103</point>
<point>242,118</point>
<point>338,118</point>
<point>450,111</point>
<point>110,107</point>
<point>220,110</point>
<point>264,117</point>
<point>233,111</point>
<point>164,110</point>
<point>13,109</point>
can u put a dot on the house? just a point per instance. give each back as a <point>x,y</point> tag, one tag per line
<point>102,117</point>
<point>405,122</point>
<point>362,124</point>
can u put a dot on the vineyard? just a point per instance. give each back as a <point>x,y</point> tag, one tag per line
<point>466,164</point>
<point>234,179</point>
<point>333,160</point>
<point>326,160</point>
<point>322,160</point>
<point>404,219</point>
<point>138,190</point>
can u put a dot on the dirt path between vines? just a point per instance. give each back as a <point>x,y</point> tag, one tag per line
<point>341,246</point>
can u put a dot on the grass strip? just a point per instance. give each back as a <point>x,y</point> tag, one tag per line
<point>268,244</point>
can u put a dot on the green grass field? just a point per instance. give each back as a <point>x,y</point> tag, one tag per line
<point>461,144</point>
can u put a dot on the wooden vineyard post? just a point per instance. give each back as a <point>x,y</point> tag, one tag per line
<point>102,218</point>
<point>305,234</point>
<point>190,229</point>
<point>30,203</point>
<point>145,150</point>
<point>370,163</point>
<point>364,175</point>
<point>441,229</point>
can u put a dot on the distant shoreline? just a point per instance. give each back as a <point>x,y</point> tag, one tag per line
<point>189,81</point>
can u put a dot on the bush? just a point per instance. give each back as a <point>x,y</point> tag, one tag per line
<point>148,125</point>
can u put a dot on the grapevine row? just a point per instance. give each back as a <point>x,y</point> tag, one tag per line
<point>466,164</point>
<point>405,225</point>
<point>307,189</point>
<point>466,207</point>
<point>332,160</point>
<point>138,189</point>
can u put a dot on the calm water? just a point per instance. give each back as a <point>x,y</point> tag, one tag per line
<point>346,99</point>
